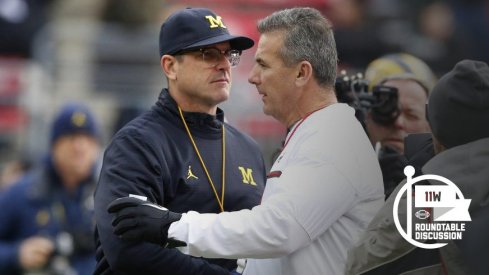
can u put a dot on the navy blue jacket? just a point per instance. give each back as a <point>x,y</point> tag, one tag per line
<point>39,206</point>
<point>152,156</point>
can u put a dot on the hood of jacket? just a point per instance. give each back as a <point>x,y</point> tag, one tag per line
<point>468,167</point>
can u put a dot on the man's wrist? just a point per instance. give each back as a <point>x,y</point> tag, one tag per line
<point>173,232</point>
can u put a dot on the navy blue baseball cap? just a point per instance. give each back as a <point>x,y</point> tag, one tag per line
<point>192,28</point>
<point>74,118</point>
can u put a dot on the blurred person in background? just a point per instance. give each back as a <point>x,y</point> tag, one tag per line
<point>181,154</point>
<point>47,218</point>
<point>472,20</point>
<point>12,171</point>
<point>322,190</point>
<point>438,40</point>
<point>359,38</point>
<point>458,112</point>
<point>413,80</point>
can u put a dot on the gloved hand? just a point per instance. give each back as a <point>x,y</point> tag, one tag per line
<point>140,220</point>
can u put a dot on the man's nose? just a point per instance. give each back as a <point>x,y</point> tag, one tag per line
<point>223,63</point>
<point>399,123</point>
<point>253,76</point>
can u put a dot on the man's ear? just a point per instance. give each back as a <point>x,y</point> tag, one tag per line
<point>169,65</point>
<point>304,73</point>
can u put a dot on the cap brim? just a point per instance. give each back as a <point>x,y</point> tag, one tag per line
<point>237,42</point>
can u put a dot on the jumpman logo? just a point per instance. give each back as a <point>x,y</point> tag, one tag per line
<point>190,174</point>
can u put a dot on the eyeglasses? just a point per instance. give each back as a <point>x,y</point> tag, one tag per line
<point>212,56</point>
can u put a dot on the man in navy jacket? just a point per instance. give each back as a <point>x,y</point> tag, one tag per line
<point>181,154</point>
<point>46,219</point>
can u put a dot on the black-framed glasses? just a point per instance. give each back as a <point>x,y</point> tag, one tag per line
<point>212,56</point>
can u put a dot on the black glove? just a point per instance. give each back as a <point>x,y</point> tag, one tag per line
<point>392,164</point>
<point>140,220</point>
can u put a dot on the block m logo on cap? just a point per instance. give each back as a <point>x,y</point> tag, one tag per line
<point>215,22</point>
<point>78,119</point>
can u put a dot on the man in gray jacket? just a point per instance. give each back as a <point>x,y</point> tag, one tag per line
<point>458,113</point>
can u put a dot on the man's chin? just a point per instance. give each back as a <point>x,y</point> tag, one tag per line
<point>220,98</point>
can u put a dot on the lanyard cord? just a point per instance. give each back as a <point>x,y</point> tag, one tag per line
<point>295,128</point>
<point>221,200</point>
<point>299,124</point>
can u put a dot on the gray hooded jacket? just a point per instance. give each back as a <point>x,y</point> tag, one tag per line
<point>382,250</point>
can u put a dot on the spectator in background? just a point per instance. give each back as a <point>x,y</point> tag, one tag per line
<point>413,80</point>
<point>47,218</point>
<point>426,29</point>
<point>436,38</point>
<point>359,38</point>
<point>458,113</point>
<point>471,18</point>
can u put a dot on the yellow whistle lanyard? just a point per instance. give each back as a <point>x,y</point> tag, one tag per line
<point>220,201</point>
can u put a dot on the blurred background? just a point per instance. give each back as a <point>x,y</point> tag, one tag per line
<point>105,53</point>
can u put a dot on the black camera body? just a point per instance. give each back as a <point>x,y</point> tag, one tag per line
<point>382,102</point>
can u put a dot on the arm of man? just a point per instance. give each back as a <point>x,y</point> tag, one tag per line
<point>8,257</point>
<point>131,167</point>
<point>8,247</point>
<point>299,207</point>
<point>18,251</point>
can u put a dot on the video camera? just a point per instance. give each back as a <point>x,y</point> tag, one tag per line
<point>382,101</point>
